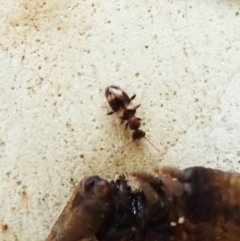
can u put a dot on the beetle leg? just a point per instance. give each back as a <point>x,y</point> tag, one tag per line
<point>172,177</point>
<point>137,106</point>
<point>147,183</point>
<point>170,171</point>
<point>133,97</point>
<point>121,122</point>
<point>110,113</point>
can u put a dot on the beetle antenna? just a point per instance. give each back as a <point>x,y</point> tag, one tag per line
<point>125,146</point>
<point>150,143</point>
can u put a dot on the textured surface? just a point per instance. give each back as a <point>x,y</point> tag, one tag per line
<point>181,58</point>
<point>194,204</point>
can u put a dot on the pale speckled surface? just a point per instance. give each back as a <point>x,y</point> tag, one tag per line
<point>181,58</point>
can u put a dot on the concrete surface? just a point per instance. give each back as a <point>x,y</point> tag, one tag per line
<point>181,58</point>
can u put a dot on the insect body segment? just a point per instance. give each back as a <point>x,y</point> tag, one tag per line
<point>121,104</point>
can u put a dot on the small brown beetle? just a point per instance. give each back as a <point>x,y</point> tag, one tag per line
<point>121,104</point>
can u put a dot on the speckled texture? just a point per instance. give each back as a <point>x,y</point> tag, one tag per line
<point>181,58</point>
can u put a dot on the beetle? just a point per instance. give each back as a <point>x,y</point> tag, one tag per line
<point>193,204</point>
<point>122,105</point>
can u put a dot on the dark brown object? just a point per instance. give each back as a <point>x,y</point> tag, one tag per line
<point>195,204</point>
<point>86,212</point>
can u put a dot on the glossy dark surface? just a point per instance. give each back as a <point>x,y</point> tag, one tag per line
<point>195,204</point>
